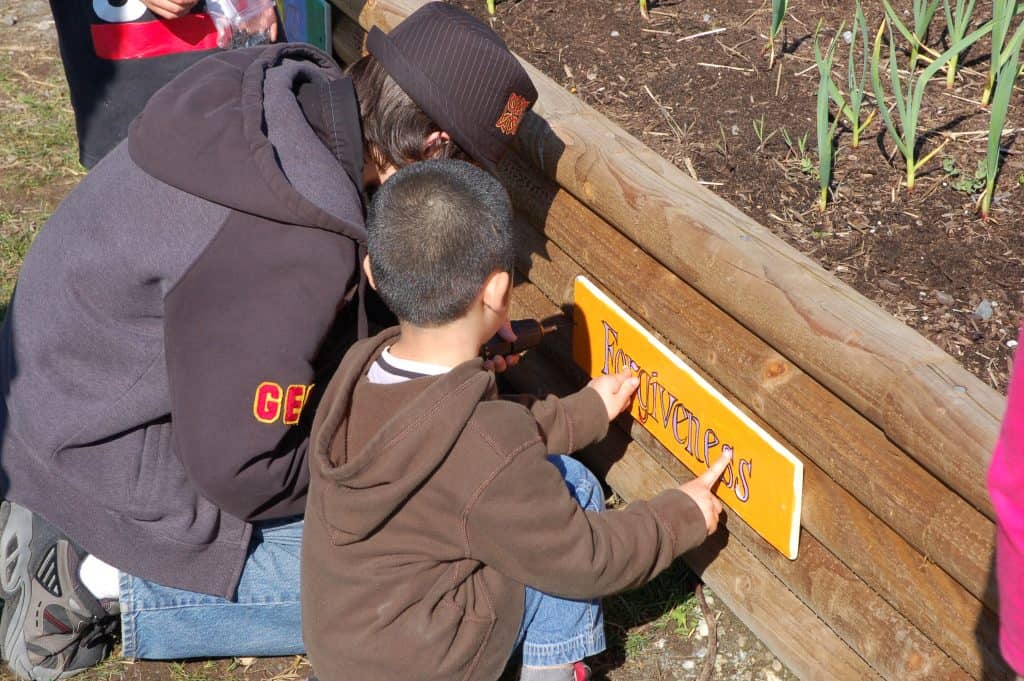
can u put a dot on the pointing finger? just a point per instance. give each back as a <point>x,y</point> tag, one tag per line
<point>712,474</point>
<point>629,385</point>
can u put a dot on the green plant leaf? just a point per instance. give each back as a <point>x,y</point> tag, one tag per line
<point>778,15</point>
<point>908,104</point>
<point>827,91</point>
<point>1005,81</point>
<point>876,82</point>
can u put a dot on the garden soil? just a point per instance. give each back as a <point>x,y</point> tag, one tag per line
<point>712,106</point>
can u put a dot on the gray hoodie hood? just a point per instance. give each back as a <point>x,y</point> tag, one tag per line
<point>280,137</point>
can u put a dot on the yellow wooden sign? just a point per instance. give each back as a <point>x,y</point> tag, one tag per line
<point>764,483</point>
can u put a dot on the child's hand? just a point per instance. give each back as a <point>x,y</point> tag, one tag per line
<point>500,363</point>
<point>616,391</point>
<point>699,489</point>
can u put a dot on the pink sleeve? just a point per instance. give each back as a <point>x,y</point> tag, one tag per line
<point>1006,487</point>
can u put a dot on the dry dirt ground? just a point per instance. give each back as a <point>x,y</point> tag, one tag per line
<point>656,633</point>
<point>711,105</point>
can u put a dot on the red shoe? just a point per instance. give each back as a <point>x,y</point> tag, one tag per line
<point>581,672</point>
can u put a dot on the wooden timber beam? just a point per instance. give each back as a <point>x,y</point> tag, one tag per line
<point>857,455</point>
<point>347,38</point>
<point>879,559</point>
<point>847,555</point>
<point>801,640</point>
<point>883,637</point>
<point>919,396</point>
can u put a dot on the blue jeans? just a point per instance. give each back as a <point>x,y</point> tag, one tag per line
<point>161,623</point>
<point>558,630</point>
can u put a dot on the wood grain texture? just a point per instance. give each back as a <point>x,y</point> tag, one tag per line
<point>846,556</point>
<point>801,640</point>
<point>919,396</point>
<point>347,38</point>
<point>852,451</point>
<point>824,367</point>
<point>846,599</point>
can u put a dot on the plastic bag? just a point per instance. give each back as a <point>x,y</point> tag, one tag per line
<point>242,23</point>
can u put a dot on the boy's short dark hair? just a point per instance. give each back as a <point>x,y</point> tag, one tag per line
<point>437,230</point>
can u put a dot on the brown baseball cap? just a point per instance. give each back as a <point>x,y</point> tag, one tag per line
<point>461,74</point>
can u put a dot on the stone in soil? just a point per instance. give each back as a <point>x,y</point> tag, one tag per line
<point>984,311</point>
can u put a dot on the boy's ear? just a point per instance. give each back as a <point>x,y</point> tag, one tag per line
<point>369,272</point>
<point>497,292</point>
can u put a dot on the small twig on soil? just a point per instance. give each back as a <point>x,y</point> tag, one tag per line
<point>732,51</point>
<point>778,80</point>
<point>742,43</point>
<point>809,68</point>
<point>708,669</point>
<point>931,191</point>
<point>654,30</point>
<point>964,99</point>
<point>979,133</point>
<point>960,69</point>
<point>723,66</point>
<point>690,169</point>
<point>31,79</point>
<point>672,125</point>
<point>22,48</point>
<point>293,673</point>
<point>753,14</point>
<point>701,34</point>
<point>797,19</point>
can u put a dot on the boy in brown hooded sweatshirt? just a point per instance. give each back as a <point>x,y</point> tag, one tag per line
<point>442,532</point>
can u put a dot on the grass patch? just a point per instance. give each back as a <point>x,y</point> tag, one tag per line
<point>205,670</point>
<point>38,152</point>
<point>666,604</point>
<point>683,618</point>
<point>636,643</point>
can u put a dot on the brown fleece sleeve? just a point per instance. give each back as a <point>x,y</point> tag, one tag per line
<point>525,524</point>
<point>571,423</point>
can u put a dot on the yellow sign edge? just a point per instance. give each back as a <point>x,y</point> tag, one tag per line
<point>798,478</point>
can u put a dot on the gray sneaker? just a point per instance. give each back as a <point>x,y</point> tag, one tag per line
<point>51,627</point>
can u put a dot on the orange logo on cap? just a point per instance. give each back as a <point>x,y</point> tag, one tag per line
<point>510,118</point>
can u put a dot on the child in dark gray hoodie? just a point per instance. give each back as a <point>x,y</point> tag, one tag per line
<point>443,530</point>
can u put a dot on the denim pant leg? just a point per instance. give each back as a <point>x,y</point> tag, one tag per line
<point>160,622</point>
<point>559,630</point>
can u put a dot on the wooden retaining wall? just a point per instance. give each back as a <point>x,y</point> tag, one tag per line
<point>894,575</point>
